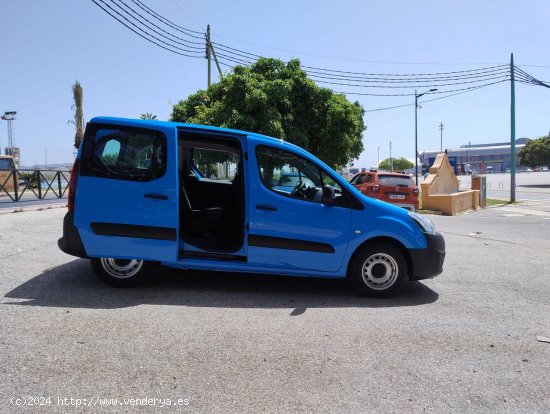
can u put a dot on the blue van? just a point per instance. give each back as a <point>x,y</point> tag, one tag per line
<point>144,193</point>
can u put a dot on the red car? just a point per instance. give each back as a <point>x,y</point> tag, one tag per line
<point>395,188</point>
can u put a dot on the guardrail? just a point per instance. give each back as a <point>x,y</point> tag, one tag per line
<point>14,183</point>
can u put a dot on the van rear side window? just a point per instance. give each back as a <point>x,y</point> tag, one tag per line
<point>131,154</point>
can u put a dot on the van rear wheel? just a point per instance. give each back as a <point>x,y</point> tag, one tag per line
<point>378,270</point>
<point>120,272</point>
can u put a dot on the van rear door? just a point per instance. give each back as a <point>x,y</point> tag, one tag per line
<point>126,197</point>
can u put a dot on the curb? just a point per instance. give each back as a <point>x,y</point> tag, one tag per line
<point>10,210</point>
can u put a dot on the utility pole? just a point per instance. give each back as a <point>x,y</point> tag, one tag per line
<point>512,132</point>
<point>378,163</point>
<point>441,130</point>
<point>391,160</point>
<point>209,54</point>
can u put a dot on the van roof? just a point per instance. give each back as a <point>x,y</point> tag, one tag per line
<point>147,122</point>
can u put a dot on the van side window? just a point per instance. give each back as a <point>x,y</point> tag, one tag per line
<point>291,175</point>
<point>215,164</point>
<point>124,153</point>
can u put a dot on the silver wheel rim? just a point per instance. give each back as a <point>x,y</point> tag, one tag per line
<point>121,268</point>
<point>380,271</point>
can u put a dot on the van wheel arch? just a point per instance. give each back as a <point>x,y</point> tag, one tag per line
<point>389,247</point>
<point>386,240</point>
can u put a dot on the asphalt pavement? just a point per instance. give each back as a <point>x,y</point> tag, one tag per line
<point>464,342</point>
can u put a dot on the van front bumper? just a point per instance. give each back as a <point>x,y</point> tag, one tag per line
<point>71,243</point>
<point>428,262</point>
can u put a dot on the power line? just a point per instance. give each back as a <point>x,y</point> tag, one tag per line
<point>427,100</point>
<point>435,85</point>
<point>460,90</point>
<point>179,6</point>
<point>526,78</point>
<point>382,76</point>
<point>189,32</point>
<point>351,59</point>
<point>482,77</point>
<point>164,38</point>
<point>139,34</point>
<point>411,75</point>
<point>185,43</point>
<point>408,80</point>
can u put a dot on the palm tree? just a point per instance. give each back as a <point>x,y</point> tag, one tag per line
<point>149,116</point>
<point>78,121</point>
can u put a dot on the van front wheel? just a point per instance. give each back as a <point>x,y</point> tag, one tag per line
<point>120,272</point>
<point>378,270</point>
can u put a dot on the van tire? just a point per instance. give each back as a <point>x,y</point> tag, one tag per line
<point>120,272</point>
<point>378,270</point>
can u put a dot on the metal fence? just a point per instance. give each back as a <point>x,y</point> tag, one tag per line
<point>15,183</point>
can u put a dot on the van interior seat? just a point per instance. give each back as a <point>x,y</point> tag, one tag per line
<point>199,222</point>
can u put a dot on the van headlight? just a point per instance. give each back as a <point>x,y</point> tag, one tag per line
<point>425,223</point>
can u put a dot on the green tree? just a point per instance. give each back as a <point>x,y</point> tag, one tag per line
<point>399,164</point>
<point>149,116</point>
<point>78,120</point>
<point>536,152</point>
<point>277,99</point>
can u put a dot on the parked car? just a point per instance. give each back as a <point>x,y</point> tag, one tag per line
<point>196,197</point>
<point>396,188</point>
<point>544,168</point>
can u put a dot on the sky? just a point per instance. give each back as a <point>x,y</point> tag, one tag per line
<point>47,45</point>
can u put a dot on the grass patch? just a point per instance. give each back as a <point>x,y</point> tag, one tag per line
<point>496,202</point>
<point>436,212</point>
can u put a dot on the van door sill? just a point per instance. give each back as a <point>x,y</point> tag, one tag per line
<point>207,255</point>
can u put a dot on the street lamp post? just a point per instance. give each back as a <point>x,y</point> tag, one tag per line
<point>416,96</point>
<point>391,161</point>
<point>378,163</point>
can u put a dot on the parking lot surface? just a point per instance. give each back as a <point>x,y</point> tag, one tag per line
<point>465,341</point>
<point>534,186</point>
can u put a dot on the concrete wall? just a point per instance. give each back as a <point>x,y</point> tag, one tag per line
<point>440,190</point>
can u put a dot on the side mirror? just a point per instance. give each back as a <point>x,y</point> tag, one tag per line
<point>329,195</point>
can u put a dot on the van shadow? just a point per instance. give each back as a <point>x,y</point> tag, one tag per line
<point>73,285</point>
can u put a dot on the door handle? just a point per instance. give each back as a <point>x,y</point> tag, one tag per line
<point>266,207</point>
<point>156,196</point>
